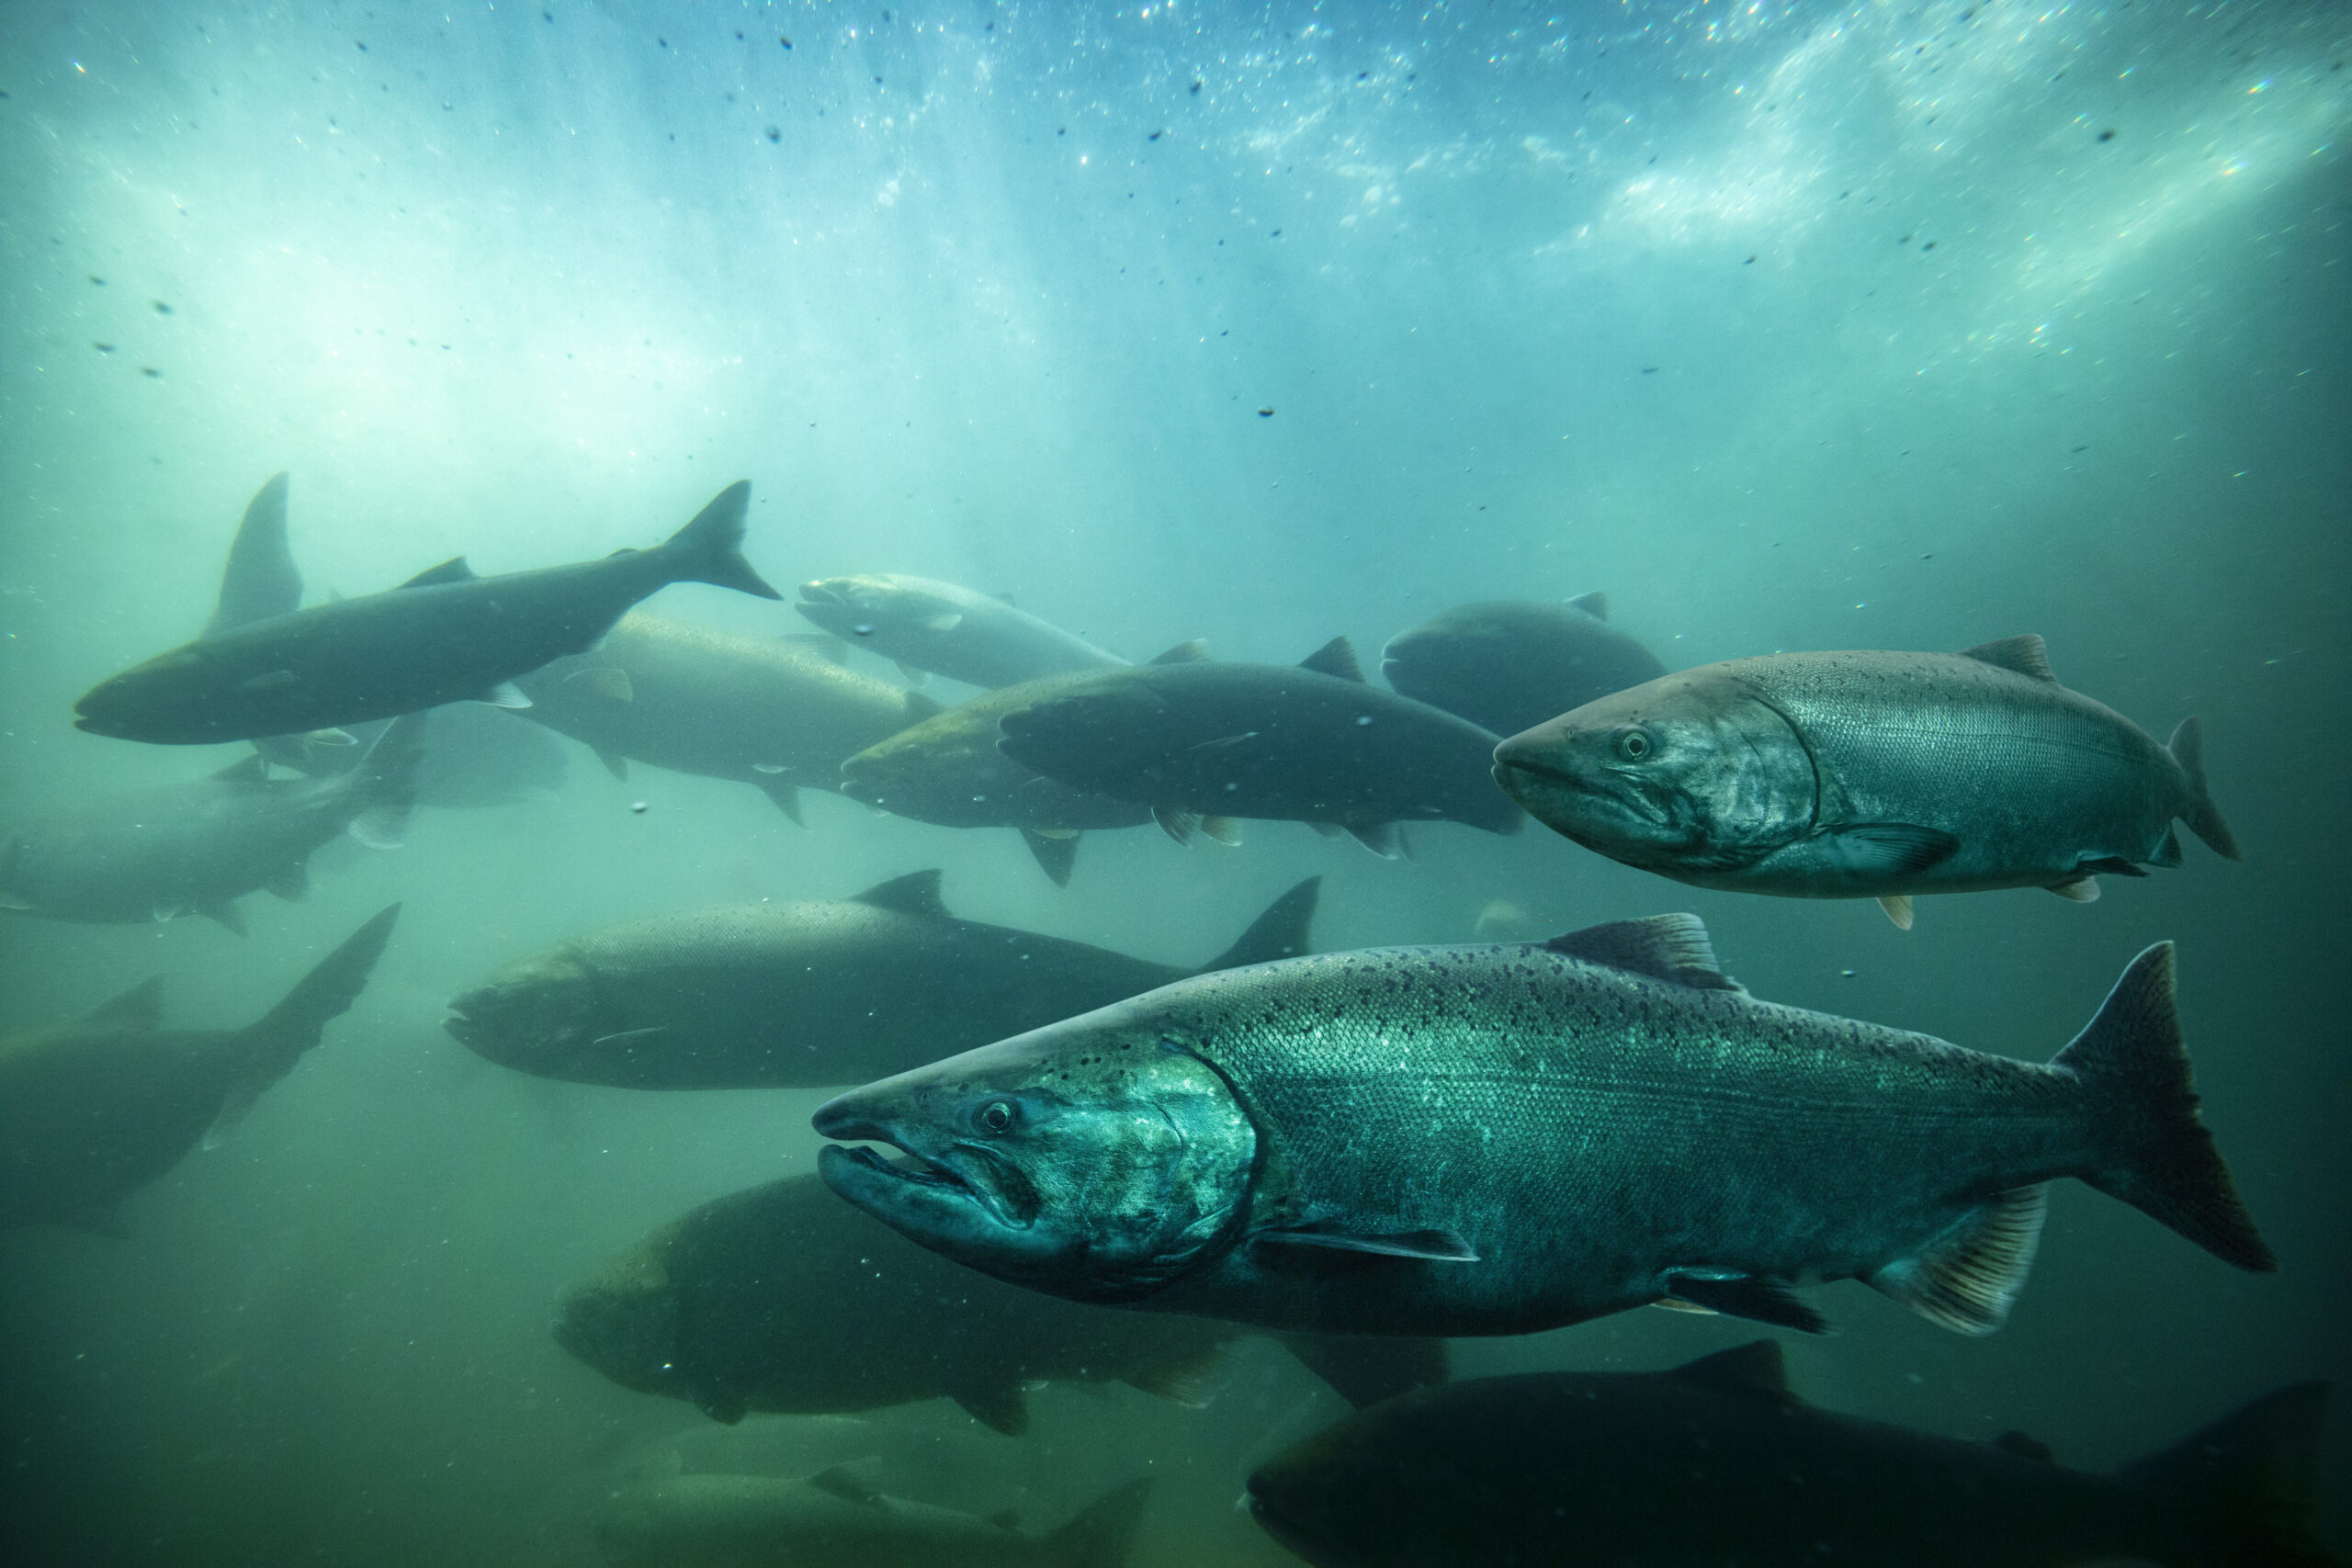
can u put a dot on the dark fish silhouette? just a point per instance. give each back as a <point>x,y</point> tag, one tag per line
<point>949,770</point>
<point>770,711</point>
<point>94,1108</point>
<point>940,628</point>
<point>1200,741</point>
<point>1497,1140</point>
<point>1509,664</point>
<point>197,846</point>
<point>1867,774</point>
<point>836,1518</point>
<point>783,1298</point>
<point>806,995</point>
<point>445,635</point>
<point>1717,1462</point>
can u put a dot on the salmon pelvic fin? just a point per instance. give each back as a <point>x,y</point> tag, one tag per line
<point>2204,819</point>
<point>2142,1104</point>
<point>711,548</point>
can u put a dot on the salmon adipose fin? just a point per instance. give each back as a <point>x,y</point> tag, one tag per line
<point>276,1042</point>
<point>2246,1483</point>
<point>2204,819</point>
<point>1100,1537</point>
<point>2157,1156</point>
<point>710,549</point>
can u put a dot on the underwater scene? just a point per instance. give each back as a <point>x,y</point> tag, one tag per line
<point>1172,784</point>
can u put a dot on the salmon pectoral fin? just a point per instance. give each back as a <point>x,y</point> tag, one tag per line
<point>1879,850</point>
<point>1424,1246</point>
<point>1967,1277</point>
<point>1736,1293</point>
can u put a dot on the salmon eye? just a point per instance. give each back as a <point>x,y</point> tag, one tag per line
<point>1634,743</point>
<point>996,1116</point>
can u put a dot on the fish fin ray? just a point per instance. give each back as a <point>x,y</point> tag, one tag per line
<point>1424,1246</point>
<point>710,548</point>
<point>1363,1370</point>
<point>453,570</point>
<point>2204,819</point>
<point>245,769</point>
<point>142,1006</point>
<point>2081,890</point>
<point>1884,849</point>
<point>1595,604</point>
<point>1898,908</point>
<point>1280,932</point>
<point>1176,822</point>
<point>2153,1152</point>
<point>1380,838</point>
<point>2026,654</point>
<point>1751,1296</point>
<point>1968,1278</point>
<point>1193,650</point>
<point>917,893</point>
<point>854,1481</point>
<point>1054,854</point>
<point>1336,659</point>
<point>1188,1380</point>
<point>1673,948</point>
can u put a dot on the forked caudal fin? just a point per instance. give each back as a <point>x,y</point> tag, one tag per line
<point>2246,1483</point>
<point>2204,819</point>
<point>1100,1537</point>
<point>711,548</point>
<point>1280,932</point>
<point>2153,1152</point>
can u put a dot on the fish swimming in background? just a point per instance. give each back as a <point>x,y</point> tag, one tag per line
<point>197,846</point>
<point>1716,1462</point>
<point>478,757</point>
<point>772,712</point>
<point>1500,1140</point>
<point>939,628</point>
<point>94,1108</point>
<point>1868,775</point>
<point>783,1298</point>
<point>445,635</point>
<point>1202,743</point>
<point>836,1518</point>
<point>1509,664</point>
<point>806,994</point>
<point>949,770</point>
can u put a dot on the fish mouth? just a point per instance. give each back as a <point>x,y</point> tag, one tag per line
<point>956,1180</point>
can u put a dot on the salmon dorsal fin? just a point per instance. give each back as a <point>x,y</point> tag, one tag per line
<point>2026,655</point>
<point>1755,1368</point>
<point>1673,948</point>
<point>919,707</point>
<point>1196,651</point>
<point>138,1008</point>
<point>917,893</point>
<point>1336,658</point>
<point>852,1480</point>
<point>1595,604</point>
<point>453,570</point>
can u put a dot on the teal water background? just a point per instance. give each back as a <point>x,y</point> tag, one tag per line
<point>1786,325</point>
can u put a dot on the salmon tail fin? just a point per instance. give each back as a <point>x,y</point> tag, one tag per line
<point>1099,1536</point>
<point>276,1040</point>
<point>2247,1482</point>
<point>1367,1369</point>
<point>385,782</point>
<point>1280,932</point>
<point>2204,819</point>
<point>711,548</point>
<point>2153,1152</point>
